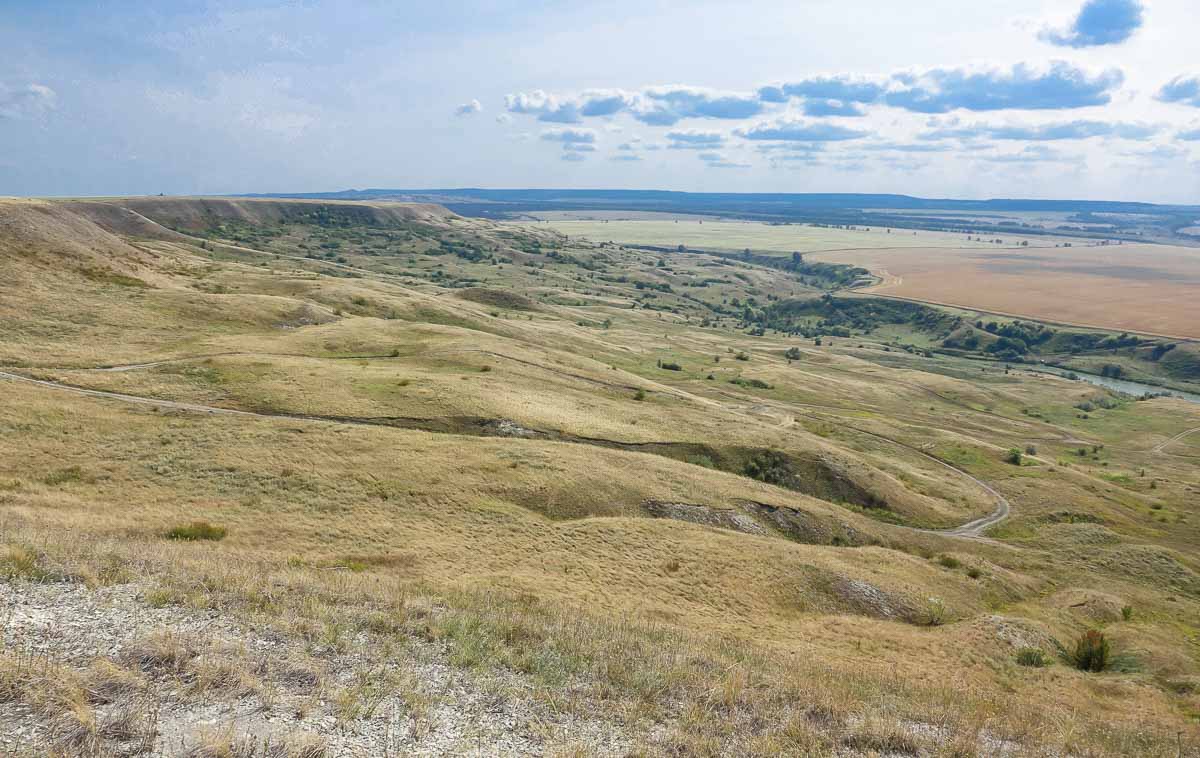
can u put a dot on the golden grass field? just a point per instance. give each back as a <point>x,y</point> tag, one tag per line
<point>515,460</point>
<point>1145,288</point>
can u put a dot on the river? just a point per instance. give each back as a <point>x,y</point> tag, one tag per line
<point>1122,385</point>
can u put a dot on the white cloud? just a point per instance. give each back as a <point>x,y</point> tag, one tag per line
<point>26,101</point>
<point>579,136</point>
<point>469,108</point>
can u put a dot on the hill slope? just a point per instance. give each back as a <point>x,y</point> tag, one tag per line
<point>441,463</point>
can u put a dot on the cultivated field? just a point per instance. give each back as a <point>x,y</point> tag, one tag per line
<point>1146,288</point>
<point>781,238</point>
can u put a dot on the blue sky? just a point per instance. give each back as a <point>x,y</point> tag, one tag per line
<point>1032,98</point>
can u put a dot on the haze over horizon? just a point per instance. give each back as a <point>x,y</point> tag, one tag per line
<point>1095,100</point>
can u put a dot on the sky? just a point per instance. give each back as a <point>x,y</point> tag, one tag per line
<point>1081,99</point>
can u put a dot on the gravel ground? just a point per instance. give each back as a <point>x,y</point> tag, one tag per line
<point>410,702</point>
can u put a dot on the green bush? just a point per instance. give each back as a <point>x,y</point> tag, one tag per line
<point>770,466</point>
<point>1127,612</point>
<point>639,395</point>
<point>949,561</point>
<point>1092,652</point>
<point>1032,657</point>
<point>1013,456</point>
<point>197,530</point>
<point>671,366</point>
<point>757,384</point>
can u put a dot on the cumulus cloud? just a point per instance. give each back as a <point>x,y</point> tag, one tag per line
<point>695,139</point>
<point>1100,22</point>
<point>1158,153</point>
<point>1184,90</point>
<point>26,101</point>
<point>1023,87</point>
<point>719,160</point>
<point>468,108</point>
<point>666,106</point>
<point>1031,154</point>
<point>906,147</point>
<point>658,106</point>
<point>626,157</point>
<point>843,88</point>
<point>822,108</point>
<point>576,136</point>
<point>1070,130</point>
<point>546,107</point>
<point>603,102</point>
<point>574,157</point>
<point>799,131</point>
<point>578,147</point>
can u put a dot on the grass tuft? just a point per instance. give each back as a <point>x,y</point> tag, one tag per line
<point>197,530</point>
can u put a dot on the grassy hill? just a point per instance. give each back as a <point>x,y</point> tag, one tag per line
<point>422,471</point>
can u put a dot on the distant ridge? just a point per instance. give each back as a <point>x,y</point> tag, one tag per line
<point>633,198</point>
<point>1099,219</point>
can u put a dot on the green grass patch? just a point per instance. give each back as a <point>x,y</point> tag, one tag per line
<point>197,530</point>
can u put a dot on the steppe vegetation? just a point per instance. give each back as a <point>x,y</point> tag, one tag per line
<point>316,478</point>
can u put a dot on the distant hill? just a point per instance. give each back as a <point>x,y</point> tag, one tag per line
<point>1099,218</point>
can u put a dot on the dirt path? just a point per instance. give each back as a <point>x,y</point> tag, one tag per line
<point>1162,446</point>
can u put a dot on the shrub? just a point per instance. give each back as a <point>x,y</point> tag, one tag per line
<point>934,613</point>
<point>949,561</point>
<point>770,466</point>
<point>742,356</point>
<point>974,573</point>
<point>1031,450</point>
<point>671,366</point>
<point>639,395</point>
<point>1091,653</point>
<point>1013,456</point>
<point>1127,612</point>
<point>757,384</point>
<point>197,530</point>
<point>68,475</point>
<point>1032,657</point>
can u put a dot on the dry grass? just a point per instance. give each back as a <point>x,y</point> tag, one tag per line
<point>537,559</point>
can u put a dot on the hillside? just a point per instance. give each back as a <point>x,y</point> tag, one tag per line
<point>369,477</point>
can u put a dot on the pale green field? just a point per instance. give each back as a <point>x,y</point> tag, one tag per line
<point>738,235</point>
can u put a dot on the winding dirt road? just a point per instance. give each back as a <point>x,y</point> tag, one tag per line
<point>1162,446</point>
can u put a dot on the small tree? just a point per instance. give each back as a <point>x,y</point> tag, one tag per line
<point>1013,456</point>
